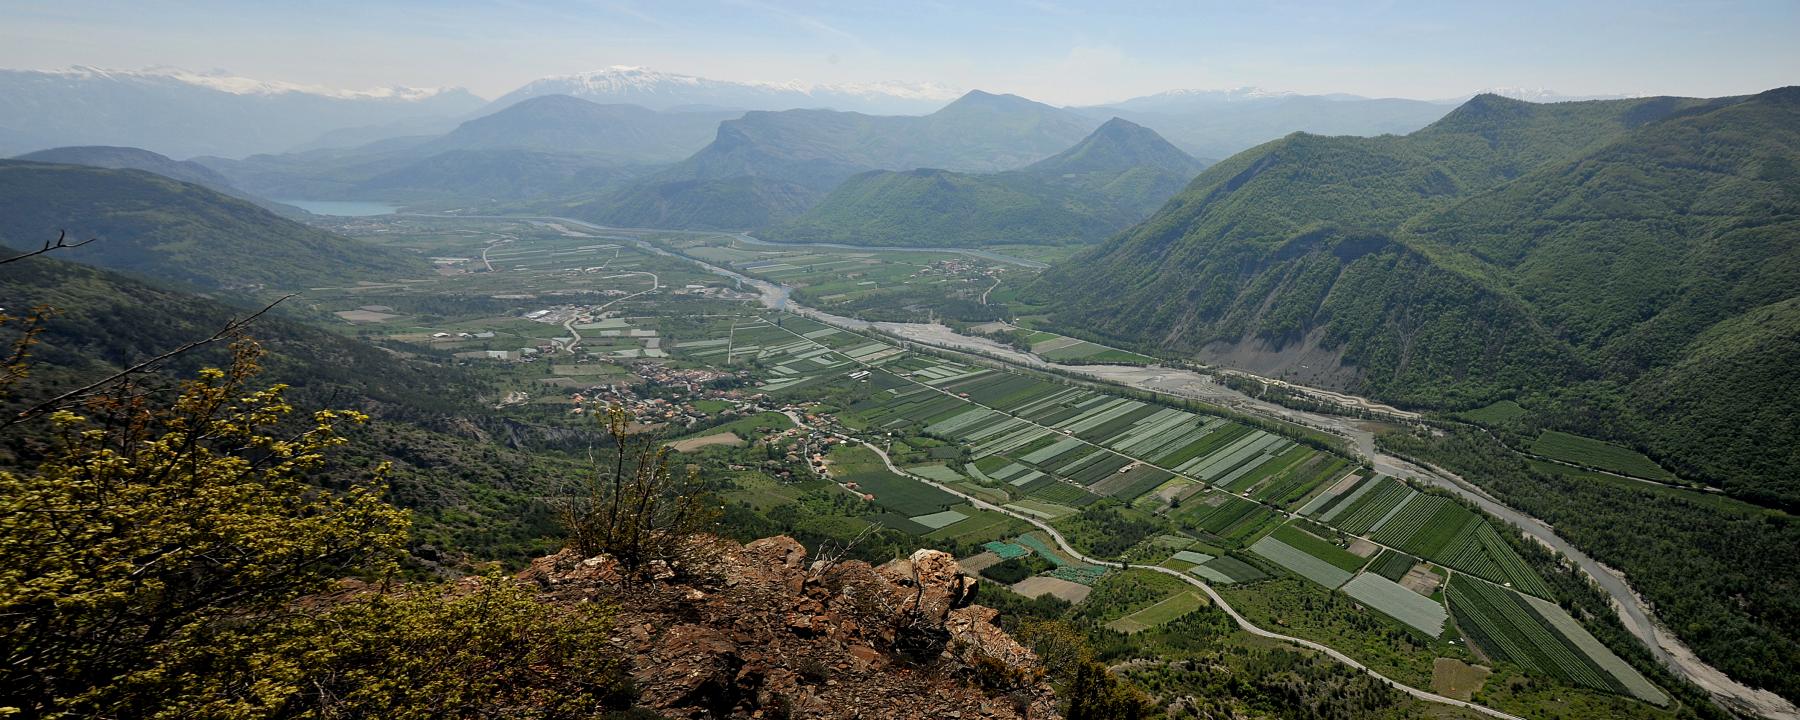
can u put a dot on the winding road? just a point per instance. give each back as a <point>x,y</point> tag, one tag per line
<point>1177,382</point>
<point>569,324</point>
<point>1218,600</point>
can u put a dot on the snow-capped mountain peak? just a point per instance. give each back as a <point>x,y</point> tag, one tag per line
<point>226,82</point>
<point>664,90</point>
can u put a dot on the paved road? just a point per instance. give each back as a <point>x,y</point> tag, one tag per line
<point>1186,383</point>
<point>569,324</point>
<point>1218,600</point>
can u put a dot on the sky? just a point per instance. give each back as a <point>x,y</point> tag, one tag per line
<point>1055,51</point>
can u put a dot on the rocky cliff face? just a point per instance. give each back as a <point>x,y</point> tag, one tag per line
<point>757,631</point>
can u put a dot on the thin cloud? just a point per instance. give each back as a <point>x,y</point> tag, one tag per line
<point>819,27</point>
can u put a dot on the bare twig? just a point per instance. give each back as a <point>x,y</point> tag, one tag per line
<point>230,329</point>
<point>61,243</point>
<point>829,557</point>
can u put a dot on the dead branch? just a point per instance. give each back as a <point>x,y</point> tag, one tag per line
<point>230,330</point>
<point>61,243</point>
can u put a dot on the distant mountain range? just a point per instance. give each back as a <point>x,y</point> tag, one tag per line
<point>129,158</point>
<point>159,109</point>
<point>1218,124</point>
<point>183,114</point>
<point>550,146</point>
<point>565,124</point>
<point>784,162</point>
<point>670,91</point>
<point>1111,179</point>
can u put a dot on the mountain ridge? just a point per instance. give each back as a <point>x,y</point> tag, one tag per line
<point>158,111</point>
<point>1113,177</point>
<point>1464,263</point>
<point>176,232</point>
<point>801,155</point>
<point>667,91</point>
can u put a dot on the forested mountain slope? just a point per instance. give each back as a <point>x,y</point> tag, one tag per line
<point>940,208</point>
<point>468,492</point>
<point>1507,249</point>
<point>1114,177</point>
<point>130,158</point>
<point>160,228</point>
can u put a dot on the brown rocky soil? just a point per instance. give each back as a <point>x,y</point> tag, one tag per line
<point>757,631</point>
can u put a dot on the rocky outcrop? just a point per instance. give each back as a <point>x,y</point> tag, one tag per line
<point>757,631</point>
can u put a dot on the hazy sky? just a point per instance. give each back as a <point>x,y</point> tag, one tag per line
<point>1052,50</point>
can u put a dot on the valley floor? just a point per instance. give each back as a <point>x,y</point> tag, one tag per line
<point>595,320</point>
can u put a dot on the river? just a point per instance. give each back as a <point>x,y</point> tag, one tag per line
<point>1635,615</point>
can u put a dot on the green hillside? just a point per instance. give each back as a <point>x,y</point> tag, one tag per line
<point>939,208</point>
<point>467,493</point>
<point>734,203</point>
<point>155,227</point>
<point>1112,178</point>
<point>493,174</point>
<point>1579,252</point>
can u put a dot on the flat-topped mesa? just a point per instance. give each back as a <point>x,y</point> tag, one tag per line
<point>753,627</point>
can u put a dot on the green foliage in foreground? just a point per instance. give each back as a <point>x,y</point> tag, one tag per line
<point>491,650</point>
<point>158,557</point>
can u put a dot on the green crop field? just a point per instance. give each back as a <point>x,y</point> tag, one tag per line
<point>1312,545</point>
<point>1169,608</point>
<point>1226,569</point>
<point>1498,413</point>
<point>1392,564</point>
<point>1371,502</point>
<point>1507,628</point>
<point>1594,453</point>
<point>1063,493</point>
<point>902,495</point>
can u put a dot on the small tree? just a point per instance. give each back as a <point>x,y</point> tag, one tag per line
<point>633,507</point>
<point>145,524</point>
<point>486,650</point>
<point>1095,694</point>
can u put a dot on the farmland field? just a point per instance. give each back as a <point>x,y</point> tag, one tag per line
<point>1168,609</point>
<point>1232,569</point>
<point>1397,602</point>
<point>1508,628</point>
<point>1497,413</point>
<point>1317,547</point>
<point>1300,562</point>
<point>1594,453</point>
<point>1392,564</point>
<point>1211,491</point>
